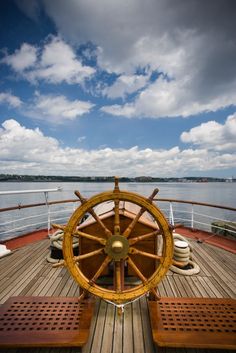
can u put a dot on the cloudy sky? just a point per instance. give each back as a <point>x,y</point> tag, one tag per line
<point>114,87</point>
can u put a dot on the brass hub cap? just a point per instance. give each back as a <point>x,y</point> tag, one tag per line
<point>117,247</point>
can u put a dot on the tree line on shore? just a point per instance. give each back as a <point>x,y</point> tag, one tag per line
<point>60,178</point>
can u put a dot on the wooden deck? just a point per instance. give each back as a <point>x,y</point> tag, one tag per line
<point>26,273</point>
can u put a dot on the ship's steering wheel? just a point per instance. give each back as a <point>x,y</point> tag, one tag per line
<point>118,247</point>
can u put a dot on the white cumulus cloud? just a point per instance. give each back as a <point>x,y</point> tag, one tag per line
<point>23,145</point>
<point>165,98</point>
<point>55,62</point>
<point>29,151</point>
<point>23,58</point>
<point>56,109</point>
<point>126,84</point>
<point>213,135</point>
<point>10,99</point>
<point>192,44</point>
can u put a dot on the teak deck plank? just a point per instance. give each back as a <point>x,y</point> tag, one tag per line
<point>98,335</point>
<point>221,288</point>
<point>146,328</point>
<point>224,258</point>
<point>87,347</point>
<point>20,267</point>
<point>29,267</point>
<point>214,265</point>
<point>74,290</point>
<point>137,325</point>
<point>108,331</point>
<point>128,341</point>
<point>18,271</point>
<point>193,286</point>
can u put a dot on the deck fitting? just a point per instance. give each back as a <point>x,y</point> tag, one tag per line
<point>194,322</point>
<point>45,322</point>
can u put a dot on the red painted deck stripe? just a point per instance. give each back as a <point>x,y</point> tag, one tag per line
<point>209,238</point>
<point>221,242</point>
<point>26,239</point>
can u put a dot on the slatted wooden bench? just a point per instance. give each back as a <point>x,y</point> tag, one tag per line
<point>45,322</point>
<point>194,322</point>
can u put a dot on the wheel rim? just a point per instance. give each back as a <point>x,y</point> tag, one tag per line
<point>117,248</point>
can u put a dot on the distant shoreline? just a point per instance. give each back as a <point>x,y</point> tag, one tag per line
<point>107,179</point>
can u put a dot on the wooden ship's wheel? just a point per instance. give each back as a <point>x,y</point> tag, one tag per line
<point>125,238</point>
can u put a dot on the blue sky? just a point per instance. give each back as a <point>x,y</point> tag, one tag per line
<point>122,88</point>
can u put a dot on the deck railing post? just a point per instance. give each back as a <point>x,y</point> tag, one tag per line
<point>192,217</point>
<point>171,215</point>
<point>48,208</point>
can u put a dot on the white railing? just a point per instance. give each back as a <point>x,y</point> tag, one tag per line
<point>52,212</point>
<point>37,191</point>
<point>196,220</point>
<point>7,228</point>
<point>46,219</point>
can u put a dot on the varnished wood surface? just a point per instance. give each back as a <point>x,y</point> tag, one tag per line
<point>26,273</point>
<point>194,322</point>
<point>45,322</point>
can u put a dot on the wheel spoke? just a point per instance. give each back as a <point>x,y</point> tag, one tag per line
<point>139,214</point>
<point>117,217</point>
<point>89,236</point>
<point>135,240</point>
<point>88,255</point>
<point>82,295</point>
<point>133,223</point>
<point>94,215</point>
<point>100,270</point>
<point>136,270</point>
<point>146,254</point>
<point>154,292</point>
<point>60,263</point>
<point>58,226</point>
<point>141,276</point>
<point>119,276</point>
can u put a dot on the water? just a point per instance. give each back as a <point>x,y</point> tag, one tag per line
<point>214,193</point>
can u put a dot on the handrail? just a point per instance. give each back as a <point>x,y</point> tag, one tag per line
<point>16,192</point>
<point>229,208</point>
<point>43,191</point>
<point>174,215</point>
<point>19,206</point>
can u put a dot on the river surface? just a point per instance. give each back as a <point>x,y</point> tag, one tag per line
<point>214,193</point>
